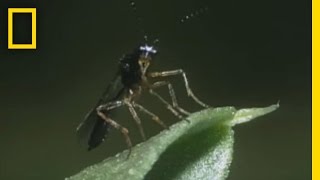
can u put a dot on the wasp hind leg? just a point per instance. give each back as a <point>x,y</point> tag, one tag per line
<point>124,131</point>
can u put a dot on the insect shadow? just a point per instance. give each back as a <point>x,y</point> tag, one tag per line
<point>131,80</point>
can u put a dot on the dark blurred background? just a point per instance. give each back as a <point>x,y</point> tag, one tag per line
<point>243,53</point>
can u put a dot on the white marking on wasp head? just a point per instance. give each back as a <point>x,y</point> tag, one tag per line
<point>148,49</point>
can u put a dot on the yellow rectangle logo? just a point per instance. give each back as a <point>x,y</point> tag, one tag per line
<point>11,12</point>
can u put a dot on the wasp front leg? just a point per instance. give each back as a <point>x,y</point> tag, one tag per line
<point>186,83</point>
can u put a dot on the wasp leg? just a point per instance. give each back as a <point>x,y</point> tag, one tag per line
<point>123,130</point>
<point>179,72</point>
<point>110,105</point>
<point>153,116</point>
<point>172,95</point>
<point>137,120</point>
<point>168,105</point>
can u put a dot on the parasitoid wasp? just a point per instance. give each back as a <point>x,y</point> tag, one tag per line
<point>131,80</point>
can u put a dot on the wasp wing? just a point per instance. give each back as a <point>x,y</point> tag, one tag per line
<point>93,129</point>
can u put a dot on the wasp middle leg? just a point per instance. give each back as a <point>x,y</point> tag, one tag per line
<point>168,105</point>
<point>153,116</point>
<point>136,119</point>
<point>172,95</point>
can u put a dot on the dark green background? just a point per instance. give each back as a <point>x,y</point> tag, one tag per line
<point>243,53</point>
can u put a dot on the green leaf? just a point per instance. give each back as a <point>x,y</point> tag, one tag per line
<point>199,147</point>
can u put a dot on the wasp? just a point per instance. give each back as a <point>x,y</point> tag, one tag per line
<point>131,80</point>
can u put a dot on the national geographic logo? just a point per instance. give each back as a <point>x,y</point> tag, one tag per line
<point>11,13</point>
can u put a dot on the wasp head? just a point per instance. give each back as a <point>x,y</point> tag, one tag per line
<point>146,55</point>
<point>147,51</point>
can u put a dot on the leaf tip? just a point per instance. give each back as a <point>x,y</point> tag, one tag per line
<point>245,115</point>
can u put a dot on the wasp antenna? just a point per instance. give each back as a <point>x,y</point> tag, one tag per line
<point>145,37</point>
<point>139,20</point>
<point>133,5</point>
<point>193,14</point>
<point>156,41</point>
